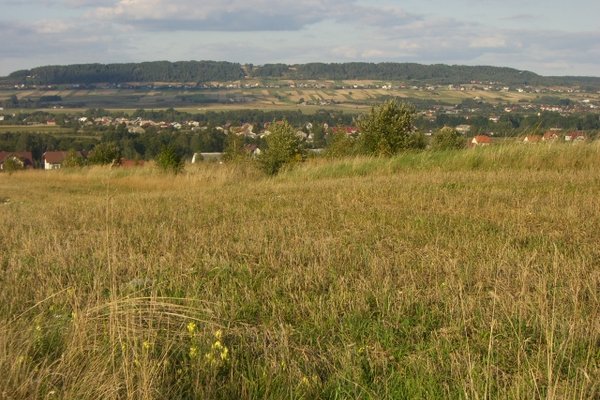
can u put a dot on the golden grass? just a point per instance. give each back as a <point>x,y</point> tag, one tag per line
<point>468,274</point>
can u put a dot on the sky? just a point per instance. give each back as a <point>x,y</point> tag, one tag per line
<point>548,37</point>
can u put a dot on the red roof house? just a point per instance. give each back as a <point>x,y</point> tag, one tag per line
<point>532,139</point>
<point>126,163</point>
<point>551,136</point>
<point>481,140</point>
<point>575,136</point>
<point>23,158</point>
<point>54,159</point>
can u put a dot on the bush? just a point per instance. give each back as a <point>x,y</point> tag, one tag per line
<point>169,160</point>
<point>105,153</point>
<point>73,159</point>
<point>283,147</point>
<point>234,148</point>
<point>12,164</point>
<point>340,144</point>
<point>447,139</point>
<point>389,128</point>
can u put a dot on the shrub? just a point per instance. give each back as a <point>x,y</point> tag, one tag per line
<point>283,147</point>
<point>234,148</point>
<point>389,128</point>
<point>446,139</point>
<point>73,159</point>
<point>340,145</point>
<point>105,153</point>
<point>169,160</point>
<point>12,164</point>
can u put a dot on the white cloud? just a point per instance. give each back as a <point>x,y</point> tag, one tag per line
<point>281,31</point>
<point>245,15</point>
<point>490,42</point>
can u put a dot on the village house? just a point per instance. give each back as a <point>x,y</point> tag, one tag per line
<point>55,159</point>
<point>575,136</point>
<point>463,129</point>
<point>481,140</point>
<point>23,158</point>
<point>252,150</point>
<point>348,130</point>
<point>551,136</point>
<point>210,157</point>
<point>532,139</point>
<point>126,163</point>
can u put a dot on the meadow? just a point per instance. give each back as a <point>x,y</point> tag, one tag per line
<point>469,274</point>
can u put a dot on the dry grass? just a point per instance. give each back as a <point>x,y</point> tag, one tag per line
<point>447,275</point>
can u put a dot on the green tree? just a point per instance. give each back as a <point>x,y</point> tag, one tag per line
<point>169,160</point>
<point>283,147</point>
<point>389,128</point>
<point>340,144</point>
<point>73,159</point>
<point>12,164</point>
<point>105,153</point>
<point>234,148</point>
<point>446,139</point>
<point>319,138</point>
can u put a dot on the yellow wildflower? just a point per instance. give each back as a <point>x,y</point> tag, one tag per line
<point>224,353</point>
<point>218,334</point>
<point>191,327</point>
<point>193,352</point>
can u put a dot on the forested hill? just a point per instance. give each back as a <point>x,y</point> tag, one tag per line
<point>208,71</point>
<point>156,71</point>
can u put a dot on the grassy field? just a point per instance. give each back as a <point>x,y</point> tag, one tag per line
<point>472,274</point>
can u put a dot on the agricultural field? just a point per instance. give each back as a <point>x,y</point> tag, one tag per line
<point>283,97</point>
<point>467,274</point>
<point>38,128</point>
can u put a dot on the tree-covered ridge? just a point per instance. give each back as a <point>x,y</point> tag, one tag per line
<point>157,71</point>
<point>206,71</point>
<point>439,73</point>
<point>436,73</point>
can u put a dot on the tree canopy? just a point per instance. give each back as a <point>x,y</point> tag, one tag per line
<point>389,128</point>
<point>283,147</point>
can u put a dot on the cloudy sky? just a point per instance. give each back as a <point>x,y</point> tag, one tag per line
<point>550,37</point>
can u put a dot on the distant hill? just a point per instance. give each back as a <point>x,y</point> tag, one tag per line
<point>156,71</point>
<point>207,71</point>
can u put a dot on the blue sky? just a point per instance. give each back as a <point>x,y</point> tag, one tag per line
<point>548,37</point>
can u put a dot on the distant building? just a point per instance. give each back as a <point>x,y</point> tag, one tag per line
<point>198,157</point>
<point>463,129</point>
<point>23,158</point>
<point>532,139</point>
<point>575,136</point>
<point>481,140</point>
<point>55,159</point>
<point>551,136</point>
<point>126,163</point>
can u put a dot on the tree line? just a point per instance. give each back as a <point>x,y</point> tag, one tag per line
<point>206,71</point>
<point>157,71</point>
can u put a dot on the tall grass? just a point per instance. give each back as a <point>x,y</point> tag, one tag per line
<point>468,274</point>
